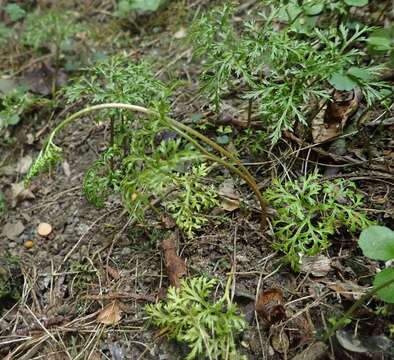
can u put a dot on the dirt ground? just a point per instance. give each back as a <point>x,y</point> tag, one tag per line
<point>94,256</point>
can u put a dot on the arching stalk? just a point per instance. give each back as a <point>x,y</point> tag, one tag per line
<point>185,131</point>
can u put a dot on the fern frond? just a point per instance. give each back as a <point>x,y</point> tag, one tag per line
<point>47,157</point>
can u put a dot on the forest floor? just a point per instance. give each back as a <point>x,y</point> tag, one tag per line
<point>93,257</point>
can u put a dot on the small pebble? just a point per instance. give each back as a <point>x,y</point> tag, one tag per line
<point>44,229</point>
<point>28,244</point>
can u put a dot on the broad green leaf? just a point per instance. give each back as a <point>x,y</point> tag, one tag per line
<point>381,39</point>
<point>359,73</point>
<point>313,9</point>
<point>356,2</point>
<point>377,242</point>
<point>387,293</point>
<point>146,5</point>
<point>342,82</point>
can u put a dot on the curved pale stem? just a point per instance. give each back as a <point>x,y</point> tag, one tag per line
<point>186,132</point>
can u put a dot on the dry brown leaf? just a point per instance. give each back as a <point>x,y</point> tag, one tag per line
<point>318,265</point>
<point>112,272</point>
<point>230,197</point>
<point>316,351</point>
<point>280,342</point>
<point>181,33</point>
<point>175,266</point>
<point>20,193</point>
<point>111,314</point>
<point>269,306</point>
<point>23,165</point>
<point>329,122</point>
<point>348,289</point>
<point>44,229</point>
<point>66,168</point>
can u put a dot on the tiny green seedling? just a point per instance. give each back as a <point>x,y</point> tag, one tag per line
<point>12,105</point>
<point>51,30</point>
<point>189,317</point>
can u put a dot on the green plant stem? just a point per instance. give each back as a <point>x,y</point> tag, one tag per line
<point>214,158</point>
<point>242,171</point>
<point>350,311</point>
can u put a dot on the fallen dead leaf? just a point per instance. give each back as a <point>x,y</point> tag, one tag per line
<point>44,229</point>
<point>318,265</point>
<point>280,342</point>
<point>112,272</point>
<point>110,315</point>
<point>13,230</point>
<point>230,197</point>
<point>316,351</point>
<point>175,266</point>
<point>269,306</point>
<point>181,33</point>
<point>23,165</point>
<point>329,122</point>
<point>20,193</point>
<point>66,168</point>
<point>348,289</point>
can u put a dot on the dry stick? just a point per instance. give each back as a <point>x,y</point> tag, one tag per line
<point>179,127</point>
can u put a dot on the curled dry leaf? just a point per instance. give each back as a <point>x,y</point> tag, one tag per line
<point>348,289</point>
<point>110,315</point>
<point>44,229</point>
<point>230,197</point>
<point>112,272</point>
<point>175,266</point>
<point>318,265</point>
<point>269,306</point>
<point>316,351</point>
<point>330,122</point>
<point>23,165</point>
<point>20,193</point>
<point>280,342</point>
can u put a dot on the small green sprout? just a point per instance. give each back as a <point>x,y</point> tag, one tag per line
<point>188,316</point>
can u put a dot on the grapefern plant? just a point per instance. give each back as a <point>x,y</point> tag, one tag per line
<point>309,211</point>
<point>188,316</point>
<point>283,71</point>
<point>148,156</point>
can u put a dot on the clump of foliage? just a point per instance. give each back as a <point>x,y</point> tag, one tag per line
<point>144,159</point>
<point>282,69</point>
<point>49,29</point>
<point>5,34</point>
<point>309,211</point>
<point>188,316</point>
<point>377,242</point>
<point>14,11</point>
<point>194,199</point>
<point>12,105</point>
